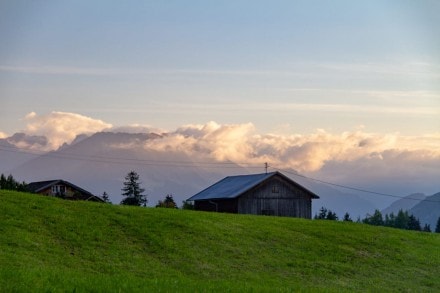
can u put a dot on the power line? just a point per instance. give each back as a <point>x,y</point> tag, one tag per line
<point>120,160</point>
<point>353,188</point>
<point>162,163</point>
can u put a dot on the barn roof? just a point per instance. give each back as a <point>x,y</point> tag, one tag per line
<point>234,186</point>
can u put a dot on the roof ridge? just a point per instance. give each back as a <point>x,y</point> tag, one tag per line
<point>234,186</point>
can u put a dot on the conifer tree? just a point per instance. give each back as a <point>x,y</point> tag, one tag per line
<point>10,183</point>
<point>414,223</point>
<point>168,202</point>
<point>2,181</point>
<point>437,227</point>
<point>401,220</point>
<point>427,228</point>
<point>132,191</point>
<point>375,220</point>
<point>331,216</point>
<point>322,214</point>
<point>105,197</point>
<point>347,218</point>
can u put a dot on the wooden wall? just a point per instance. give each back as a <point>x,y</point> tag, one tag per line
<point>276,197</point>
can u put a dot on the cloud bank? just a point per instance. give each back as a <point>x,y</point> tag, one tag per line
<point>306,153</point>
<point>338,157</point>
<point>61,127</point>
<point>391,163</point>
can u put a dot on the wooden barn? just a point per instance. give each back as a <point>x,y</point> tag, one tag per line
<point>63,189</point>
<point>259,194</point>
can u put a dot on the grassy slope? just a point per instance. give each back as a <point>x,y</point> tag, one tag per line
<point>49,244</point>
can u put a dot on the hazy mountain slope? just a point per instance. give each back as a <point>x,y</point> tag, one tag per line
<point>404,204</point>
<point>100,162</point>
<point>428,211</point>
<point>11,157</point>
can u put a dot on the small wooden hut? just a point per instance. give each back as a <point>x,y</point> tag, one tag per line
<point>259,194</point>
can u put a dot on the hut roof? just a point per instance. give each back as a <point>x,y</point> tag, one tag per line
<point>234,186</point>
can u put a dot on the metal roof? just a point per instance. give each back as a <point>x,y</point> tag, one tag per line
<point>234,186</point>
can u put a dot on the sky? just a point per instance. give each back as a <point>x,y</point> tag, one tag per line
<point>325,87</point>
<point>285,66</point>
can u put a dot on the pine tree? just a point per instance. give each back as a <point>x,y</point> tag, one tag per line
<point>414,223</point>
<point>322,214</point>
<point>105,197</point>
<point>132,191</point>
<point>167,203</point>
<point>331,216</point>
<point>2,181</point>
<point>10,183</point>
<point>427,228</point>
<point>389,220</point>
<point>437,227</point>
<point>347,218</point>
<point>401,221</point>
<point>375,220</point>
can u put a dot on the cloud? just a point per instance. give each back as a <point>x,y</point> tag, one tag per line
<point>3,135</point>
<point>349,157</point>
<point>242,144</point>
<point>29,142</point>
<point>207,141</point>
<point>385,162</point>
<point>61,127</point>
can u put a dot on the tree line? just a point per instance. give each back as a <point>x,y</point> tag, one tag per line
<point>134,195</point>
<point>403,220</point>
<point>132,192</point>
<point>9,183</point>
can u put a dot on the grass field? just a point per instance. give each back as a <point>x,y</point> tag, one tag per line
<point>52,245</point>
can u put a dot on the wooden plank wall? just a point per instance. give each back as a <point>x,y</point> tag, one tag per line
<point>276,197</point>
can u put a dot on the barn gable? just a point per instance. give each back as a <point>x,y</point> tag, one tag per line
<point>259,194</point>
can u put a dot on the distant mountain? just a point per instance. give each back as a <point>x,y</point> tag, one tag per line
<point>428,210</point>
<point>100,162</point>
<point>11,156</point>
<point>404,204</point>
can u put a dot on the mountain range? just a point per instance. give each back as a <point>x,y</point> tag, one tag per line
<point>425,208</point>
<point>99,163</point>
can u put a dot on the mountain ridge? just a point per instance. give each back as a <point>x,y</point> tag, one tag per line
<point>99,163</point>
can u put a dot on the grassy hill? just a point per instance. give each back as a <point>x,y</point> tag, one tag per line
<point>53,245</point>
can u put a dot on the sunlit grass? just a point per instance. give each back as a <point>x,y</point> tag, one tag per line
<point>48,244</point>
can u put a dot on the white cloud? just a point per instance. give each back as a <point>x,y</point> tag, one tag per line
<point>357,154</point>
<point>3,135</point>
<point>62,127</point>
<point>242,144</point>
<point>355,158</point>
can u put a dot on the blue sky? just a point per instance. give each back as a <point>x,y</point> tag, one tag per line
<point>285,66</point>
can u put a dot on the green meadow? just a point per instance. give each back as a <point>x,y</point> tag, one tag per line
<point>53,245</point>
